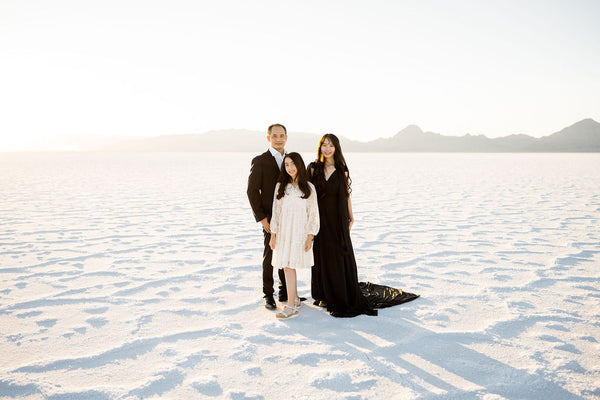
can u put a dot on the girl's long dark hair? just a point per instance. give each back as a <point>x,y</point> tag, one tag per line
<point>285,178</point>
<point>318,175</point>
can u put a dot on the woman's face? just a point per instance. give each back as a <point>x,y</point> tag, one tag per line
<point>327,148</point>
<point>290,168</point>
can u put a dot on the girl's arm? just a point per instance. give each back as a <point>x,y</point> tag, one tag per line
<point>313,222</point>
<point>276,214</point>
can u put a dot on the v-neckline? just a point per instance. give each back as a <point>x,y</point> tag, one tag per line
<point>330,175</point>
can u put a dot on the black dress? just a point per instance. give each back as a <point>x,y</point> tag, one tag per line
<point>334,275</point>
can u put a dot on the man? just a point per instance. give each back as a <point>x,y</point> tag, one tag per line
<point>264,172</point>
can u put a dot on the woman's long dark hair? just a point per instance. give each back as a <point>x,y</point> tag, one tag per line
<point>285,178</point>
<point>318,175</point>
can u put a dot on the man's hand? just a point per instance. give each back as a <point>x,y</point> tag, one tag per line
<point>265,225</point>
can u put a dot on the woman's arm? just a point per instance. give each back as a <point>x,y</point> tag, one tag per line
<point>350,215</point>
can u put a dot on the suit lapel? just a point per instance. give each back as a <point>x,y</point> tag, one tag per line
<point>273,160</point>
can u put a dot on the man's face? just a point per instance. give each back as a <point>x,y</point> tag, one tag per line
<point>277,138</point>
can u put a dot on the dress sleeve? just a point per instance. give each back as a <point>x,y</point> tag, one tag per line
<point>276,211</point>
<point>312,210</point>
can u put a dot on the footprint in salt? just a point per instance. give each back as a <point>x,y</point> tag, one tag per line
<point>502,278</point>
<point>314,359</point>
<point>254,371</point>
<point>520,304</point>
<point>557,327</point>
<point>29,314</point>
<point>245,396</point>
<point>569,348</point>
<point>260,339</point>
<point>195,359</point>
<point>246,352</point>
<point>99,310</point>
<point>160,383</point>
<point>208,386</point>
<point>97,322</point>
<point>574,366</point>
<point>342,382</point>
<point>47,323</point>
<point>549,338</point>
<point>273,359</point>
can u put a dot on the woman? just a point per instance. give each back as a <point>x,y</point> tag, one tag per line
<point>294,224</point>
<point>334,282</point>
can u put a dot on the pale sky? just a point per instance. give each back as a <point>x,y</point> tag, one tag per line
<point>360,69</point>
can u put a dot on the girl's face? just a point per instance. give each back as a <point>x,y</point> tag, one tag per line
<point>327,148</point>
<point>290,168</point>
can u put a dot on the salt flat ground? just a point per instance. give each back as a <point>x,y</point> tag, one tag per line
<point>130,276</point>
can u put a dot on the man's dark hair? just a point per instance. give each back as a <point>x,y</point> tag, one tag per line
<point>273,126</point>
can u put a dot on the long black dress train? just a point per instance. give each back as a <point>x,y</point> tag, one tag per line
<point>334,275</point>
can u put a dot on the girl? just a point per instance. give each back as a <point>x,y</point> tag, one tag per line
<point>294,224</point>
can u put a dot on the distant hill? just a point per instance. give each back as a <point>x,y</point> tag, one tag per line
<point>583,136</point>
<point>226,140</point>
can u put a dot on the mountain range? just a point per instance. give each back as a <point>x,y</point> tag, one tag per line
<point>583,136</point>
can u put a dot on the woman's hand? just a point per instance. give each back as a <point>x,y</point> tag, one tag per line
<point>273,241</point>
<point>308,243</point>
<point>350,224</point>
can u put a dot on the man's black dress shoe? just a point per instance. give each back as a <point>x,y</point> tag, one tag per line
<point>270,303</point>
<point>283,299</point>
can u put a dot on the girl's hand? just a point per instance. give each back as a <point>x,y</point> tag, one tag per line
<point>272,242</point>
<point>308,243</point>
<point>265,225</point>
<point>350,224</point>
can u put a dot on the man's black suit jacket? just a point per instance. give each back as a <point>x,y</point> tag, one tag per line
<point>261,185</point>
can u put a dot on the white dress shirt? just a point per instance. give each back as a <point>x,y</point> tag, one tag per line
<point>278,156</point>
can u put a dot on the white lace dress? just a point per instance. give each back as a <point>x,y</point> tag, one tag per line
<point>293,219</point>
